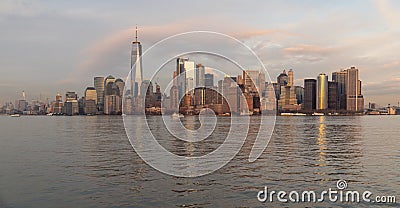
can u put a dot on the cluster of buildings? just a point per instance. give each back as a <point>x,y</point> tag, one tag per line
<point>104,98</point>
<point>194,90</point>
<point>341,95</point>
<point>248,93</point>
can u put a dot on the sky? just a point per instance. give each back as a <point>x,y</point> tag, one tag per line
<point>50,47</point>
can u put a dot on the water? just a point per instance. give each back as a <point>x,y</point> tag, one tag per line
<point>89,162</point>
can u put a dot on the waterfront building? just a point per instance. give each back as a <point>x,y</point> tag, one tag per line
<point>209,80</point>
<point>310,92</point>
<point>355,100</point>
<point>200,72</point>
<point>71,96</point>
<point>322,91</point>
<point>283,79</point>
<point>290,77</point>
<point>90,105</point>
<point>99,86</point>
<point>333,96</point>
<point>340,78</point>
<point>136,77</point>
<point>71,107</point>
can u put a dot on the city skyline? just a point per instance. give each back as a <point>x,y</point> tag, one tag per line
<point>329,38</point>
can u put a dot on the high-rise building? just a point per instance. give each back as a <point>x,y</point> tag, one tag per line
<point>355,100</point>
<point>283,79</point>
<point>209,80</point>
<point>181,76</point>
<point>261,83</point>
<point>287,99</point>
<point>136,67</point>
<point>22,105</point>
<point>290,78</point>
<point>99,86</point>
<point>200,71</point>
<point>299,94</point>
<point>59,97</point>
<point>120,84</point>
<point>322,92</point>
<point>251,80</point>
<point>333,96</point>
<point>57,105</point>
<point>71,107</point>
<point>91,94</point>
<point>89,104</point>
<point>341,78</point>
<point>112,98</point>
<point>71,96</point>
<point>190,75</point>
<point>310,92</point>
<point>174,94</point>
<point>290,96</point>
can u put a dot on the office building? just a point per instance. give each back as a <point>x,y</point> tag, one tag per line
<point>340,78</point>
<point>71,107</point>
<point>299,94</point>
<point>89,104</point>
<point>290,78</point>
<point>283,79</point>
<point>209,80</point>
<point>200,71</point>
<point>333,96</point>
<point>310,92</point>
<point>136,77</point>
<point>251,80</point>
<point>71,96</point>
<point>99,86</point>
<point>322,92</point>
<point>355,100</point>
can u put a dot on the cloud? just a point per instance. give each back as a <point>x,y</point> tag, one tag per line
<point>392,64</point>
<point>19,8</point>
<point>112,51</point>
<point>389,12</point>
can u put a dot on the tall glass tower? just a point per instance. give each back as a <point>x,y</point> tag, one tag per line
<point>136,67</point>
<point>322,92</point>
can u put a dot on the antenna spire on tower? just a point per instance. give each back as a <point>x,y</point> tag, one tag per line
<point>136,33</point>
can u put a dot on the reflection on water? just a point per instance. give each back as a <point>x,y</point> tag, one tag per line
<point>88,162</point>
<point>321,142</point>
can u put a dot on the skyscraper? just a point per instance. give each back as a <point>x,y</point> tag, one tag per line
<point>299,94</point>
<point>209,80</point>
<point>200,75</point>
<point>190,75</point>
<point>290,77</point>
<point>99,86</point>
<point>251,80</point>
<point>355,100</point>
<point>112,98</point>
<point>341,78</point>
<point>181,76</point>
<point>283,79</point>
<point>91,94</point>
<point>310,87</point>
<point>333,96</point>
<point>136,67</point>
<point>90,101</point>
<point>71,96</point>
<point>322,92</point>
